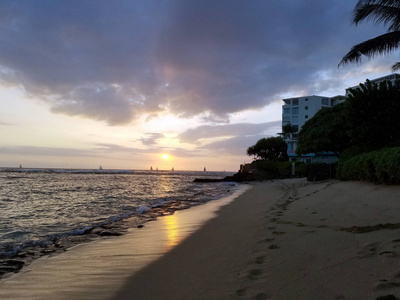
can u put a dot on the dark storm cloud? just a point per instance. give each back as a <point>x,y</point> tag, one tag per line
<point>115,60</point>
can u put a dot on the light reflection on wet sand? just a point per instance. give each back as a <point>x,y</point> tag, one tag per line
<point>97,270</point>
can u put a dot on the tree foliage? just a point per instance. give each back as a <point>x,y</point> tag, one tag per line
<point>326,131</point>
<point>373,111</point>
<point>273,149</point>
<point>380,11</point>
<point>367,121</point>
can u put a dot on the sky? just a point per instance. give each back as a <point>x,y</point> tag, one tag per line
<point>121,83</point>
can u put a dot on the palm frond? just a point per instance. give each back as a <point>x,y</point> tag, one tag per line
<point>396,66</point>
<point>389,16</point>
<point>380,11</point>
<point>381,45</point>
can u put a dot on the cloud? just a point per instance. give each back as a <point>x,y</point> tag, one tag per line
<point>98,149</point>
<point>6,124</point>
<point>195,135</point>
<point>45,151</point>
<point>234,146</point>
<point>151,139</point>
<point>113,61</point>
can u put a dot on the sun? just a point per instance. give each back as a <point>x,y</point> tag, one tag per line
<point>165,156</point>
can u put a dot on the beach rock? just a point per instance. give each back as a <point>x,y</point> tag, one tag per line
<point>109,233</point>
<point>10,265</point>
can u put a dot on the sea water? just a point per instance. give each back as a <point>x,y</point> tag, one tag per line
<point>44,210</point>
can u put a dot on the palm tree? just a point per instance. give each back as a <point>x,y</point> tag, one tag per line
<point>380,11</point>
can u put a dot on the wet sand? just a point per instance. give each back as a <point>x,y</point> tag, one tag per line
<point>285,239</point>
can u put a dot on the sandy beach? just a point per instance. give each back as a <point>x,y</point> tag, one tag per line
<point>282,239</point>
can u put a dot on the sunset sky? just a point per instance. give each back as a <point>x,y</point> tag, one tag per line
<point>121,83</point>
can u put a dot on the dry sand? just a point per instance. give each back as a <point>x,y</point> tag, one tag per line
<point>286,240</point>
<point>283,239</point>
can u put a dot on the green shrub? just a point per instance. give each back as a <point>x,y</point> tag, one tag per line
<point>285,169</point>
<point>301,169</point>
<point>350,152</point>
<point>272,170</point>
<point>266,169</point>
<point>380,166</point>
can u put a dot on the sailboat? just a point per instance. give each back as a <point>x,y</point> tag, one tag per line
<point>151,168</point>
<point>20,166</point>
<point>172,169</point>
<point>205,169</point>
<point>100,168</point>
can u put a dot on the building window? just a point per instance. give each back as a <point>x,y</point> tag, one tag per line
<point>295,128</point>
<point>286,119</point>
<point>306,107</point>
<point>295,110</point>
<point>294,136</point>
<point>306,99</point>
<point>295,102</point>
<point>325,101</point>
<point>286,111</point>
<point>295,120</point>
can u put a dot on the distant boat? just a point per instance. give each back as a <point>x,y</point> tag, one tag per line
<point>20,166</point>
<point>156,168</point>
<point>172,169</point>
<point>100,168</point>
<point>151,168</point>
<point>205,169</point>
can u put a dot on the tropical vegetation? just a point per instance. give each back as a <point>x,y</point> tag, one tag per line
<point>272,149</point>
<point>380,11</point>
<point>326,131</point>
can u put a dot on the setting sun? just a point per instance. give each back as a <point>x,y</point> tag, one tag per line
<point>165,156</point>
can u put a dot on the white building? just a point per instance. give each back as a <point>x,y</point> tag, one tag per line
<point>296,111</point>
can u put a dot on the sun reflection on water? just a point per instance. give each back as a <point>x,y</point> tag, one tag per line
<point>171,226</point>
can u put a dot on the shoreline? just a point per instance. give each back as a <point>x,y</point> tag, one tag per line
<point>98,268</point>
<point>281,239</point>
<point>16,260</point>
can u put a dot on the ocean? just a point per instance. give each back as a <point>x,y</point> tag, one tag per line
<point>45,211</point>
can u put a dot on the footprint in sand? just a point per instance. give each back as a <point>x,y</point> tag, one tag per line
<point>254,274</point>
<point>278,232</point>
<point>369,250</point>
<point>259,260</point>
<point>272,247</point>
<point>389,254</point>
<point>269,240</point>
<point>241,292</point>
<point>384,284</point>
<point>261,296</point>
<point>397,242</point>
